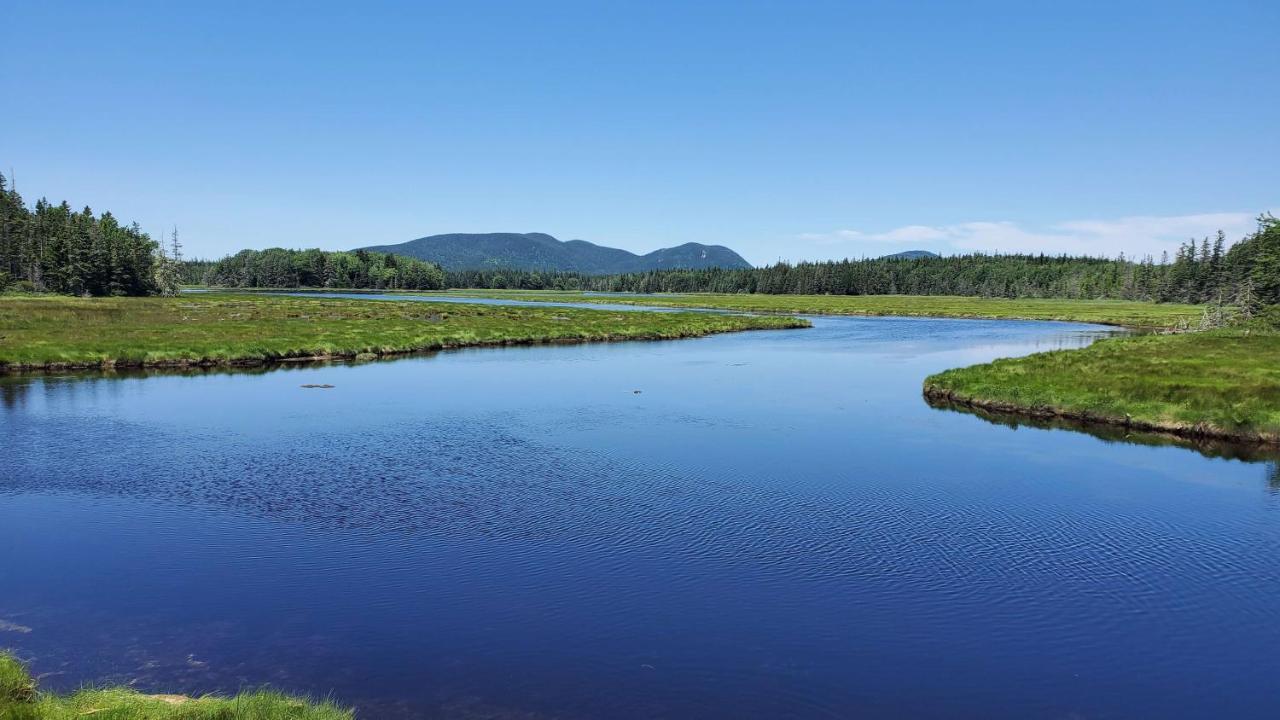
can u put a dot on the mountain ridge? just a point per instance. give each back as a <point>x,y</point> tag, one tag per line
<point>543,252</point>
<point>911,255</point>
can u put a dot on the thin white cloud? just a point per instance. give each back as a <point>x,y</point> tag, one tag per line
<point>1134,236</point>
<point>906,234</point>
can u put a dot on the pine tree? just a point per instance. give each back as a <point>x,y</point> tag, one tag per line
<point>175,245</point>
<point>1265,273</point>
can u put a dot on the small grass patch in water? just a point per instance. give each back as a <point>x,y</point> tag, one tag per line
<point>52,332</point>
<point>21,700</point>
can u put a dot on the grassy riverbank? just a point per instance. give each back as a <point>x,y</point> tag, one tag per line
<point>52,332</point>
<point>1106,312</point>
<point>20,699</point>
<point>1222,384</point>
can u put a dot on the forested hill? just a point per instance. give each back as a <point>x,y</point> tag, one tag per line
<point>1248,274</point>
<point>544,253</point>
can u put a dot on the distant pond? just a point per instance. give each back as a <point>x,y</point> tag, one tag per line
<point>757,525</point>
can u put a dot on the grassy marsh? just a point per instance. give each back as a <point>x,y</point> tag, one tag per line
<point>56,332</point>
<point>1216,384</point>
<point>1107,312</point>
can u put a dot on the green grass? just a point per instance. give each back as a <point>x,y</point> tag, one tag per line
<point>20,700</point>
<point>1106,312</point>
<point>1216,384</point>
<point>15,684</point>
<point>52,332</point>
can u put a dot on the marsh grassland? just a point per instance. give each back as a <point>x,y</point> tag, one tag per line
<point>1221,384</point>
<point>1106,312</point>
<point>54,332</point>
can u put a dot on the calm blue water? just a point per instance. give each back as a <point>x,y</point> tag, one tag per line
<point>775,526</point>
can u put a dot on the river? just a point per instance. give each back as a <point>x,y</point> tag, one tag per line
<point>754,525</point>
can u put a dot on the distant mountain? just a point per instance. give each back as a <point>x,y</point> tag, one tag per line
<point>539,251</point>
<point>911,255</point>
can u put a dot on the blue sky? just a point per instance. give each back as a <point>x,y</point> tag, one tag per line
<point>790,130</point>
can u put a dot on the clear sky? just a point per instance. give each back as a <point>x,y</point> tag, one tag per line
<point>795,130</point>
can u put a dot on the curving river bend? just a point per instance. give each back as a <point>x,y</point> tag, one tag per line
<point>756,525</point>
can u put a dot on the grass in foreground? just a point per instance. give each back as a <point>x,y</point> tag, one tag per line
<point>220,329</point>
<point>1107,312</point>
<point>1216,384</point>
<point>21,700</point>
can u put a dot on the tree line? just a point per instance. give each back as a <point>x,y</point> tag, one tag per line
<point>53,248</point>
<point>281,268</point>
<point>1200,272</point>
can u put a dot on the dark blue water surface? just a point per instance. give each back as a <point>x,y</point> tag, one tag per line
<point>775,525</point>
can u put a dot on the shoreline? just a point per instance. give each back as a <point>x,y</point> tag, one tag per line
<point>1183,431</point>
<point>107,365</point>
<point>59,334</point>
<point>22,698</point>
<point>294,349</point>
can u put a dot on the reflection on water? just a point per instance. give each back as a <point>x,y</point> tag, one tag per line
<point>1208,446</point>
<point>774,526</point>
